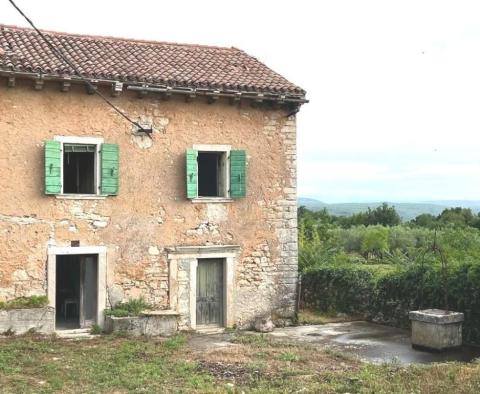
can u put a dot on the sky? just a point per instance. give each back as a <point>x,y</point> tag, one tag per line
<point>394,86</point>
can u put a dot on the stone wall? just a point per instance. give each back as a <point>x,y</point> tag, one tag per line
<point>267,277</point>
<point>20,321</point>
<point>151,211</point>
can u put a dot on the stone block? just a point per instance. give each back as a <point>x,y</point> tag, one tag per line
<point>436,329</point>
<point>131,325</point>
<point>160,323</point>
<point>152,323</point>
<point>153,251</point>
<point>41,320</point>
<point>264,324</point>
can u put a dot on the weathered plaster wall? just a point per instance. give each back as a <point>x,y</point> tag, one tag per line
<point>151,211</point>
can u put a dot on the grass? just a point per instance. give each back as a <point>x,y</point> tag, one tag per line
<point>31,364</point>
<point>253,364</point>
<point>259,340</point>
<point>24,302</point>
<point>289,356</point>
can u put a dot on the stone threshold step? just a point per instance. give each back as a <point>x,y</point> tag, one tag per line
<point>79,333</point>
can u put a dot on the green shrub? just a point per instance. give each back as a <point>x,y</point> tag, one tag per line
<point>375,241</point>
<point>25,302</point>
<point>338,288</point>
<point>132,308</point>
<point>350,240</point>
<point>95,330</point>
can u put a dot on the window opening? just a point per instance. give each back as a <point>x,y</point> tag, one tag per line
<point>211,173</point>
<point>79,169</point>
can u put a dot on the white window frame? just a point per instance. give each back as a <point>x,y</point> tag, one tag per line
<point>206,148</point>
<point>97,141</point>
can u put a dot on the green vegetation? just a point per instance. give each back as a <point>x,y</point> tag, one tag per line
<point>25,302</point>
<point>130,308</point>
<point>95,330</point>
<point>289,356</point>
<point>108,364</point>
<point>371,263</point>
<point>249,339</point>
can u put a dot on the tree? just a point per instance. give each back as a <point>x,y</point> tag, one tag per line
<point>384,214</point>
<point>303,211</point>
<point>425,220</point>
<point>375,241</point>
<point>459,217</point>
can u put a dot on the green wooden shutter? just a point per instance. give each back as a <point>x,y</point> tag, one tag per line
<point>109,154</point>
<point>192,173</point>
<point>238,185</point>
<point>53,160</point>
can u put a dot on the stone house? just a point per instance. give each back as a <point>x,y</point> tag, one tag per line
<point>197,217</point>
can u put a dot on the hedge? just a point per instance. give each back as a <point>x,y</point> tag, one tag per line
<point>385,294</point>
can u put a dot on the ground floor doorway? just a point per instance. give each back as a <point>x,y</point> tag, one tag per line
<point>76,291</point>
<point>210,292</point>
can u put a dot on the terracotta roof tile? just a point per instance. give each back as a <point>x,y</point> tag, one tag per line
<point>127,60</point>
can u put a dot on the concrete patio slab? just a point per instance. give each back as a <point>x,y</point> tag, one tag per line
<point>202,342</point>
<point>370,342</point>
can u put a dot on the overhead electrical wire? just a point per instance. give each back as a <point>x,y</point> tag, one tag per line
<point>58,53</point>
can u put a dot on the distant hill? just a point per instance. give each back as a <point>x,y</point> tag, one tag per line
<point>472,204</point>
<point>406,210</point>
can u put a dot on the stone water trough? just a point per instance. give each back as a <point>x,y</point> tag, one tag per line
<point>436,329</point>
<point>22,320</point>
<point>149,323</point>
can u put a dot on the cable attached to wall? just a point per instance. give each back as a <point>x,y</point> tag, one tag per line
<point>58,53</point>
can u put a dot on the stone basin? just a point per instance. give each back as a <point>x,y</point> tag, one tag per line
<point>149,323</point>
<point>436,329</point>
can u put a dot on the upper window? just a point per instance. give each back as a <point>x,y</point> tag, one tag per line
<point>215,172</point>
<point>211,174</point>
<point>81,166</point>
<point>79,169</point>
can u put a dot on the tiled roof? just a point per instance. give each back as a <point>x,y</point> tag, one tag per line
<point>135,61</point>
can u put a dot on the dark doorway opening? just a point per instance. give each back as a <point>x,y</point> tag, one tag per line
<point>210,292</point>
<point>76,291</point>
<point>210,174</point>
<point>79,169</point>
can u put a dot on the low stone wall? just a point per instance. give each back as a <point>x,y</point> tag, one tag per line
<point>149,324</point>
<point>19,321</point>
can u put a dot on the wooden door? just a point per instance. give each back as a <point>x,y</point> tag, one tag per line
<point>88,290</point>
<point>210,292</point>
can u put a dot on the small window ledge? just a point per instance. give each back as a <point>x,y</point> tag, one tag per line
<point>80,197</point>
<point>208,200</point>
